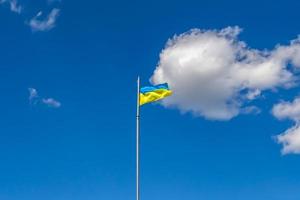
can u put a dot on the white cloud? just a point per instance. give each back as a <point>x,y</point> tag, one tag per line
<point>290,139</point>
<point>213,74</point>
<point>252,94</point>
<point>14,5</point>
<point>35,99</point>
<point>250,110</point>
<point>46,24</point>
<point>39,22</point>
<point>288,110</point>
<point>51,103</point>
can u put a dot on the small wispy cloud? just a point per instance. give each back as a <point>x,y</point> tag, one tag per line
<point>14,5</point>
<point>41,21</point>
<point>34,99</point>
<point>51,103</point>
<point>38,23</point>
<point>33,95</point>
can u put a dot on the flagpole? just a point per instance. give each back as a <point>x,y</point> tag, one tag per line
<point>138,141</point>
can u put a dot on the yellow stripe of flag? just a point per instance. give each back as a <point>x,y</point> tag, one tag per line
<point>154,93</point>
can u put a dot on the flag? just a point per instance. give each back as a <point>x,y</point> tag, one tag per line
<point>154,93</point>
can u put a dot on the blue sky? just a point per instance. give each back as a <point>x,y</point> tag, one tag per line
<point>75,137</point>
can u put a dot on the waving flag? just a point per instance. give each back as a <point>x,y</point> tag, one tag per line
<point>154,93</point>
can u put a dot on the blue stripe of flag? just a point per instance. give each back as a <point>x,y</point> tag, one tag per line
<point>153,88</point>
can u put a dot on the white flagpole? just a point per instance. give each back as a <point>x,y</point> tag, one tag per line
<point>138,141</point>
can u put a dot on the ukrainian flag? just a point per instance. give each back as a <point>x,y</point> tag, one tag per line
<point>154,93</point>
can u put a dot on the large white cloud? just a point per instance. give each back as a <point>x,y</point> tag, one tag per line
<point>290,139</point>
<point>213,74</point>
